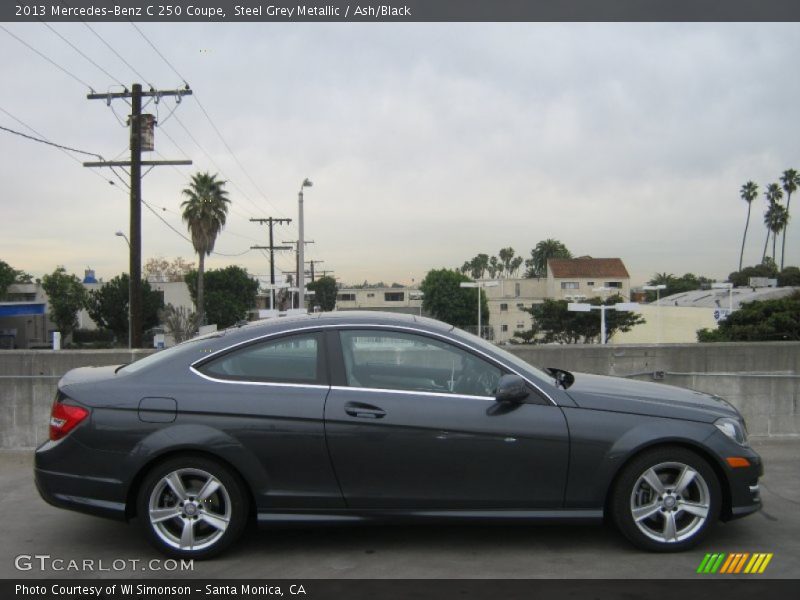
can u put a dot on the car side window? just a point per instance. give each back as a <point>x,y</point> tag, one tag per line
<point>393,360</point>
<point>292,359</point>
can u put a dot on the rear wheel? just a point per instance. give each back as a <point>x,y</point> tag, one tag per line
<point>666,500</point>
<point>191,507</point>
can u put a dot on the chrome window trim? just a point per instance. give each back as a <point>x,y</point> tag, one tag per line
<point>316,326</point>
<point>248,382</point>
<point>345,388</point>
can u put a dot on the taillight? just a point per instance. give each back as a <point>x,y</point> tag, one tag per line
<point>64,418</point>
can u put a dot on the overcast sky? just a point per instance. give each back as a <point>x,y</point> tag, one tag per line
<point>426,143</point>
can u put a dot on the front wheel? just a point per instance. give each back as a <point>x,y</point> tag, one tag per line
<point>666,500</point>
<point>191,507</point>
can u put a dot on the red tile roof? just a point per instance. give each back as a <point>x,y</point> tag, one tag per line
<point>587,267</point>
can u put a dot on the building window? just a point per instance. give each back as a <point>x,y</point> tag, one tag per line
<point>370,295</point>
<point>570,285</point>
<point>614,284</point>
<point>503,306</point>
<point>346,297</point>
<point>503,327</point>
<point>590,283</point>
<point>520,324</point>
<point>394,296</point>
<point>516,290</point>
<point>520,306</point>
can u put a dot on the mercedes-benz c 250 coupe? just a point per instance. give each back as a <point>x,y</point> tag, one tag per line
<point>352,417</point>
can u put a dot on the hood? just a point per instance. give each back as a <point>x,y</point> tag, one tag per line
<point>600,392</point>
<point>84,375</point>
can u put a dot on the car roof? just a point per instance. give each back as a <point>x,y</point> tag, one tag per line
<point>349,317</point>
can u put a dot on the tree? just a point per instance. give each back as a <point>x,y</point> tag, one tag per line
<point>676,285</point>
<point>495,268</point>
<point>67,296</point>
<point>180,322</point>
<point>161,269</point>
<point>108,306</point>
<point>204,213</point>
<point>791,181</point>
<point>764,320</point>
<point>324,290</point>
<point>776,219</point>
<point>557,324</point>
<point>230,293</point>
<point>514,265</point>
<point>444,299</point>
<point>789,277</point>
<point>748,193</point>
<point>506,256</point>
<point>773,194</point>
<point>544,250</point>
<point>742,278</point>
<point>9,275</point>
<point>479,265</point>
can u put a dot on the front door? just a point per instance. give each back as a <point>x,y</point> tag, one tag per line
<point>415,425</point>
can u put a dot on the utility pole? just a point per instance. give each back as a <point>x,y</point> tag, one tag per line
<point>312,263</point>
<point>135,163</point>
<point>272,247</point>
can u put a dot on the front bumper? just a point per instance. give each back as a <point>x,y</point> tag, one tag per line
<point>745,492</point>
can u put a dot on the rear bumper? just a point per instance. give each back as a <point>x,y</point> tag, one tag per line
<point>103,497</point>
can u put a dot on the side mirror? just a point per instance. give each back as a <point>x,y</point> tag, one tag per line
<point>511,388</point>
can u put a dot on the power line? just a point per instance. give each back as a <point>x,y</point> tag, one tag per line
<point>117,54</point>
<point>30,137</point>
<point>153,46</point>
<point>48,59</point>
<point>78,50</point>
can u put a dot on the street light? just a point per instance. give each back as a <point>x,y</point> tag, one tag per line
<point>657,289</point>
<point>726,285</point>
<point>479,285</point>
<point>586,307</point>
<point>301,276</point>
<point>120,234</point>
<point>130,280</point>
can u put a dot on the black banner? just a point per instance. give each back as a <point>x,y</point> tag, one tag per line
<point>400,10</point>
<point>382,589</point>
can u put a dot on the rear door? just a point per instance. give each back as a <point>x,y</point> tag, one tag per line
<point>411,422</point>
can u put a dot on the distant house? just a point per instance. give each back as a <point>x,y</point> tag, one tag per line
<point>567,279</point>
<point>581,276</point>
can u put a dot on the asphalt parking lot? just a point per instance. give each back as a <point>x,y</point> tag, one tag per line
<point>30,527</point>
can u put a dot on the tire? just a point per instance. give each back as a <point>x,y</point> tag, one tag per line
<point>666,500</point>
<point>191,507</point>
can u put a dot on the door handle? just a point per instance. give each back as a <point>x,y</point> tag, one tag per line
<point>364,411</point>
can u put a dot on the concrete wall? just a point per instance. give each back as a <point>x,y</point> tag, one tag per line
<point>762,380</point>
<point>28,381</point>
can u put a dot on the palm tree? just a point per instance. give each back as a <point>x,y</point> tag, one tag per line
<point>748,193</point>
<point>791,181</point>
<point>204,213</point>
<point>549,248</point>
<point>506,255</point>
<point>773,194</point>
<point>778,217</point>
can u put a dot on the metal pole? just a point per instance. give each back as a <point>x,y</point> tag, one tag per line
<point>480,333</point>
<point>301,280</point>
<point>603,324</point>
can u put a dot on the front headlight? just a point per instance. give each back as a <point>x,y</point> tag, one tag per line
<point>734,429</point>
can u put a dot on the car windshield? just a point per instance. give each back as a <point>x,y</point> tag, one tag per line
<point>157,357</point>
<point>508,357</point>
